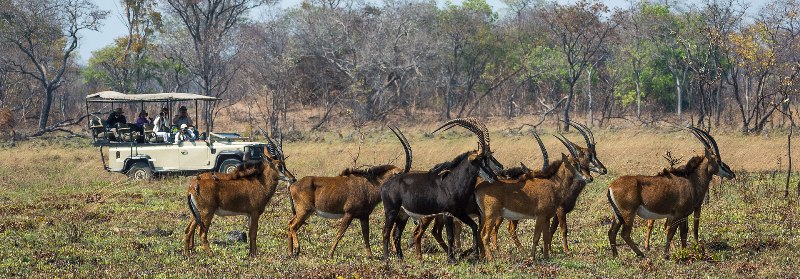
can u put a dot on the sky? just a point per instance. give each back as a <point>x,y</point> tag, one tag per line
<point>114,25</point>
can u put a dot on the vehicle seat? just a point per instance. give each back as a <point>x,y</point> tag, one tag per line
<point>99,132</point>
<point>150,135</point>
<point>124,132</point>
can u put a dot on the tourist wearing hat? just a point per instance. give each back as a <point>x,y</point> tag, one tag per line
<point>115,118</point>
<point>182,118</point>
<point>184,134</point>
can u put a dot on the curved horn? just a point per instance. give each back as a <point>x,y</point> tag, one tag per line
<point>406,146</point>
<point>546,162</point>
<point>710,140</point>
<point>568,144</point>
<point>699,134</point>
<point>272,148</point>
<point>280,145</point>
<point>588,131</point>
<point>474,126</point>
<point>583,132</point>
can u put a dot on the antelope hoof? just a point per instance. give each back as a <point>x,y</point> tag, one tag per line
<point>451,260</point>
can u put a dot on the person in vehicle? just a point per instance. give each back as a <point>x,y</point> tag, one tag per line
<point>184,134</point>
<point>182,118</point>
<point>160,124</point>
<point>115,118</point>
<point>143,119</point>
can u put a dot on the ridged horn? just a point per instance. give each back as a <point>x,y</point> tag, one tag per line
<point>582,131</point>
<point>699,134</point>
<point>272,148</point>
<point>473,125</point>
<point>546,162</point>
<point>568,144</point>
<point>406,146</point>
<point>709,141</point>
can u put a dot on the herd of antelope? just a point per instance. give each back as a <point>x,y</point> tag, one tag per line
<point>472,185</point>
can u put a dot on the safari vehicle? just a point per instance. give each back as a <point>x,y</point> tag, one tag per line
<point>140,152</point>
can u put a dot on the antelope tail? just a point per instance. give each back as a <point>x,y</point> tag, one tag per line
<point>614,206</point>
<point>195,212</point>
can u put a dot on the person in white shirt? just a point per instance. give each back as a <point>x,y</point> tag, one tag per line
<point>184,134</point>
<point>160,125</point>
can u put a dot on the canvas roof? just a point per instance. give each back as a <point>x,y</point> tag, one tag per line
<point>113,96</point>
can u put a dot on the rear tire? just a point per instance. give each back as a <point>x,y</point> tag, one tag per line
<point>140,171</point>
<point>229,165</point>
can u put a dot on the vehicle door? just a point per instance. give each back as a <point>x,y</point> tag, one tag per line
<point>194,155</point>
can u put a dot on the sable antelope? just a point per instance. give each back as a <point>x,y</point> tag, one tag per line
<point>472,209</point>
<point>353,194</point>
<point>247,191</point>
<point>536,196</point>
<point>672,194</point>
<point>445,189</point>
<point>587,157</point>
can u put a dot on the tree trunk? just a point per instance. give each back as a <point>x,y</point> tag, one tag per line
<point>679,90</point>
<point>47,102</point>
<point>638,97</point>
<point>569,104</point>
<point>789,154</point>
<point>589,94</point>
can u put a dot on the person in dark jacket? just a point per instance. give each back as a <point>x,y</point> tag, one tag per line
<point>115,118</point>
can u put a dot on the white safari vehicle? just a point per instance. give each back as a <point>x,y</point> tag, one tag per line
<point>142,151</point>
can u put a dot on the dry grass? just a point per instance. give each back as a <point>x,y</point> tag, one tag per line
<point>62,215</point>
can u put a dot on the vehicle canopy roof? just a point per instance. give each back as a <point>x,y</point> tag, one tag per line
<point>117,97</point>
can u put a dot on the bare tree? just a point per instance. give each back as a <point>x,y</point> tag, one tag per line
<point>46,32</point>
<point>209,26</point>
<point>580,31</point>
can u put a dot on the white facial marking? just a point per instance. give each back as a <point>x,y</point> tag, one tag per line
<point>649,215</point>
<point>511,215</point>
<point>328,215</point>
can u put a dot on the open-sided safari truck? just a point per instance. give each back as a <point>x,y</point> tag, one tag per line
<point>140,152</point>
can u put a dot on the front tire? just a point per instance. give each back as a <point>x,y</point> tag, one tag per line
<point>140,171</point>
<point>229,165</point>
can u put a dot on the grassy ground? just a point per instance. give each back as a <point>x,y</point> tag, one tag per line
<point>62,215</point>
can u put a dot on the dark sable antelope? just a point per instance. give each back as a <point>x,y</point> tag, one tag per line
<point>537,195</point>
<point>353,194</point>
<point>447,189</point>
<point>247,191</point>
<point>672,194</point>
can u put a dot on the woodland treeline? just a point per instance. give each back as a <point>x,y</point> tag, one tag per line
<point>712,63</point>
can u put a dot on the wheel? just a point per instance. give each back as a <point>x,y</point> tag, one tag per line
<point>229,165</point>
<point>140,171</point>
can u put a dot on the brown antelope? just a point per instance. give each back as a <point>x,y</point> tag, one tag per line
<point>247,191</point>
<point>353,194</point>
<point>536,196</point>
<point>672,194</point>
<point>588,157</point>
